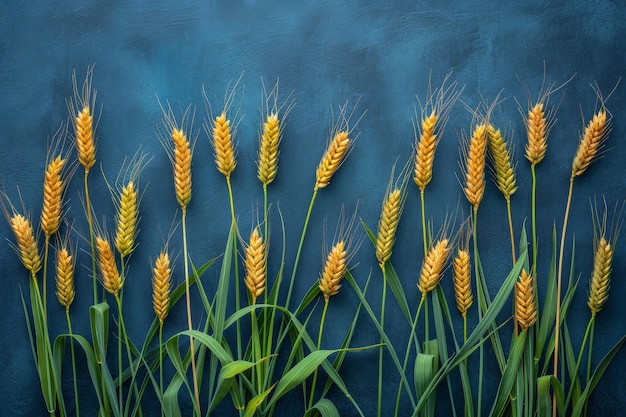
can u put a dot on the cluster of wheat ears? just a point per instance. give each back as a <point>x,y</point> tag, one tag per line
<point>248,370</point>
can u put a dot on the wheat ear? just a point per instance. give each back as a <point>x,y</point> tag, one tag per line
<point>161,285</point>
<point>255,264</point>
<point>525,304</point>
<point>111,279</point>
<point>268,150</point>
<point>223,145</point>
<point>182,167</point>
<point>334,270</point>
<point>591,143</point>
<point>425,155</point>
<point>462,281</point>
<point>537,134</point>
<point>127,216</point>
<point>52,197</point>
<point>433,266</point>
<point>504,171</point>
<point>333,158</point>
<point>65,277</point>
<point>474,154</point>
<point>387,226</point>
<point>26,244</point>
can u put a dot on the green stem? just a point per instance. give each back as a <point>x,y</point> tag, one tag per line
<point>161,366</point>
<point>295,265</point>
<point>45,274</point>
<point>424,236</point>
<point>235,260</point>
<point>407,352</point>
<point>533,209</point>
<point>69,329</point>
<point>91,238</point>
<point>189,323</point>
<point>510,217</point>
<point>381,351</point>
<point>319,346</point>
<point>120,366</point>
<point>481,307</point>
<point>464,327</point>
<point>589,354</point>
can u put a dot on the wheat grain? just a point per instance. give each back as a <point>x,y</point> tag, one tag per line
<point>474,154</point>
<point>111,279</point>
<point>425,155</point>
<point>600,276</point>
<point>503,167</point>
<point>462,281</point>
<point>537,134</point>
<point>127,215</point>
<point>334,270</point>
<point>333,158</point>
<point>268,150</point>
<point>182,167</point>
<point>255,265</point>
<point>223,145</point>
<point>387,226</point>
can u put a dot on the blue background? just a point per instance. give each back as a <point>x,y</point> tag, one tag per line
<point>326,52</point>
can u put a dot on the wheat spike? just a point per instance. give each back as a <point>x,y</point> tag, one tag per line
<point>593,138</point>
<point>85,143</point>
<point>52,197</point>
<point>26,243</point>
<point>65,277</point>
<point>501,157</point>
<point>111,279</point>
<point>161,285</point>
<point>223,145</point>
<point>268,149</point>
<point>462,281</point>
<point>255,265</point>
<point>127,216</point>
<point>333,158</point>
<point>425,155</point>
<point>182,167</point>
<point>387,226</point>
<point>525,305</point>
<point>474,170</point>
<point>334,270</point>
<point>600,276</point>
<point>433,266</point>
<point>537,133</point>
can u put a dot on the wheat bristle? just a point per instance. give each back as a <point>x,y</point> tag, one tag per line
<point>182,167</point>
<point>462,281</point>
<point>255,265</point>
<point>52,197</point>
<point>333,158</point>
<point>433,266</point>
<point>537,134</point>
<point>387,226</point>
<point>503,167</point>
<point>268,149</point>
<point>600,276</point>
<point>593,138</point>
<point>223,145</point>
<point>128,212</point>
<point>474,169</point>
<point>85,143</point>
<point>161,285</point>
<point>65,277</point>
<point>334,270</point>
<point>111,279</point>
<point>26,243</point>
<point>425,155</point>
<point>525,305</point>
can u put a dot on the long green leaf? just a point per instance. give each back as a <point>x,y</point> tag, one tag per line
<point>324,407</point>
<point>509,376</point>
<point>99,320</point>
<point>544,396</point>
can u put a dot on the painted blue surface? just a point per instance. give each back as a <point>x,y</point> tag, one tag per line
<point>326,52</point>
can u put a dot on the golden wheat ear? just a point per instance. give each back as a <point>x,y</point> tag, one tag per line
<point>473,154</point>
<point>111,279</point>
<point>434,265</point>
<point>26,248</point>
<point>525,304</point>
<point>592,141</point>
<point>65,266</point>
<point>161,285</point>
<point>462,281</point>
<point>501,157</point>
<point>82,109</point>
<point>255,264</point>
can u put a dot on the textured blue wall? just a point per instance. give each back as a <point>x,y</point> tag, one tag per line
<point>327,52</point>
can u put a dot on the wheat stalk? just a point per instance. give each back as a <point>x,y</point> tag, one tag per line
<point>111,279</point>
<point>223,145</point>
<point>161,285</point>
<point>501,157</point>
<point>52,197</point>
<point>473,155</point>
<point>462,281</point>
<point>525,304</point>
<point>268,150</point>
<point>591,143</point>
<point>334,270</point>
<point>65,277</point>
<point>26,244</point>
<point>255,263</point>
<point>387,226</point>
<point>333,158</point>
<point>433,266</point>
<point>127,218</point>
